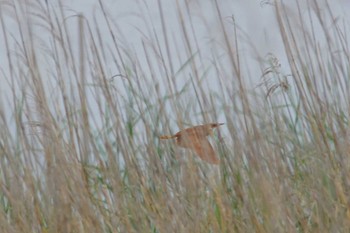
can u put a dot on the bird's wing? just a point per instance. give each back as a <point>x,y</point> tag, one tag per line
<point>204,150</point>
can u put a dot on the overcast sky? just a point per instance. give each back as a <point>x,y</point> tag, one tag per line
<point>255,21</point>
<point>252,17</point>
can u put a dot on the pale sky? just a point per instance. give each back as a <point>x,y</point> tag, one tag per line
<point>256,26</point>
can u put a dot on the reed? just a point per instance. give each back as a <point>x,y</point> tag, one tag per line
<point>81,112</point>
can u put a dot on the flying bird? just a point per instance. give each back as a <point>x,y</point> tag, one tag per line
<point>195,138</point>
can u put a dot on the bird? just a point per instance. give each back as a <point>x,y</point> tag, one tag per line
<point>195,138</point>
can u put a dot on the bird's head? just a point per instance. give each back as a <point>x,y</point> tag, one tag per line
<point>211,127</point>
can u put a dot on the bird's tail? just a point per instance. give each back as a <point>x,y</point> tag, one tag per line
<point>167,136</point>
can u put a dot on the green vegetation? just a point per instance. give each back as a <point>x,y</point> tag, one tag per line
<point>80,120</point>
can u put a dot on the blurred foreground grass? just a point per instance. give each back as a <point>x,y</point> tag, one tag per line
<point>79,150</point>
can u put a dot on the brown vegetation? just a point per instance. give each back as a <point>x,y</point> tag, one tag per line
<point>79,150</point>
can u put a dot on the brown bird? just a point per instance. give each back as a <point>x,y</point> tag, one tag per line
<point>195,138</point>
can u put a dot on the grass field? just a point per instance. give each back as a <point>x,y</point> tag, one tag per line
<point>79,142</point>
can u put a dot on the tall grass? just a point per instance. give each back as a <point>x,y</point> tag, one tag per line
<point>81,111</point>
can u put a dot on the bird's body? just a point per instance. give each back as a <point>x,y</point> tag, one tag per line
<point>194,138</point>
